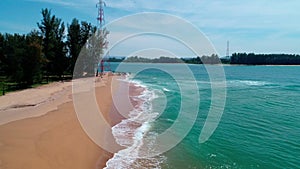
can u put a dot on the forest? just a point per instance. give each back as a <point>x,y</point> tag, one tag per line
<point>213,59</point>
<point>236,58</point>
<point>46,53</point>
<point>265,59</point>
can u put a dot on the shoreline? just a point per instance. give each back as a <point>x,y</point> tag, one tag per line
<point>132,132</point>
<point>48,134</point>
<point>125,99</point>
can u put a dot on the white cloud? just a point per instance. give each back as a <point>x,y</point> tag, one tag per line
<point>206,13</point>
<point>252,21</point>
<point>161,31</point>
<point>57,2</point>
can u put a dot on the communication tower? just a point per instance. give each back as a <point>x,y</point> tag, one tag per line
<point>100,6</point>
<point>101,30</point>
<point>227,50</point>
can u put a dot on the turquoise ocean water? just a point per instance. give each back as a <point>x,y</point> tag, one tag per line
<point>259,128</point>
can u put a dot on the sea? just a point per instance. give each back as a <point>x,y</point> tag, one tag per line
<point>258,126</point>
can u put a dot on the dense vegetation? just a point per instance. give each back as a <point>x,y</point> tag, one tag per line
<point>236,58</point>
<point>47,52</point>
<point>115,59</point>
<point>213,59</point>
<point>265,59</point>
<point>162,59</point>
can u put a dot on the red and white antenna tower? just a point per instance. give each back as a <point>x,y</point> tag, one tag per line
<point>101,21</point>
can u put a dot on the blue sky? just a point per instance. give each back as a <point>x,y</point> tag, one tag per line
<point>260,26</point>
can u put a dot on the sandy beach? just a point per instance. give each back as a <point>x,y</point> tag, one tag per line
<point>39,128</point>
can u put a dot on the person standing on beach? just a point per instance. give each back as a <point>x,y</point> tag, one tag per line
<point>102,68</point>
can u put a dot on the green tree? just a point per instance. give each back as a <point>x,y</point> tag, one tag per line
<point>78,35</point>
<point>13,50</point>
<point>1,55</point>
<point>91,53</point>
<point>60,62</point>
<point>74,42</point>
<point>86,31</point>
<point>32,60</point>
<point>21,58</point>
<point>52,30</point>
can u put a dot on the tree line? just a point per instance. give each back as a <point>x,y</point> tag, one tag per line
<point>162,59</point>
<point>236,58</point>
<point>265,59</point>
<point>213,59</point>
<point>49,51</point>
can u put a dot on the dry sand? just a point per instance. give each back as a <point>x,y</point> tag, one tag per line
<point>39,129</point>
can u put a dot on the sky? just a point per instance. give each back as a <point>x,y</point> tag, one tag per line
<point>259,26</point>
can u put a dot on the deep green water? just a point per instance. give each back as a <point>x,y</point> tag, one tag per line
<point>260,126</point>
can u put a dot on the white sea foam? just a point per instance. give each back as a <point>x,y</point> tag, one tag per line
<point>234,83</point>
<point>170,120</point>
<point>246,83</point>
<point>130,133</point>
<point>166,90</point>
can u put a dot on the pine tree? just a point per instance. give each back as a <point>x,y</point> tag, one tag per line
<point>54,49</point>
